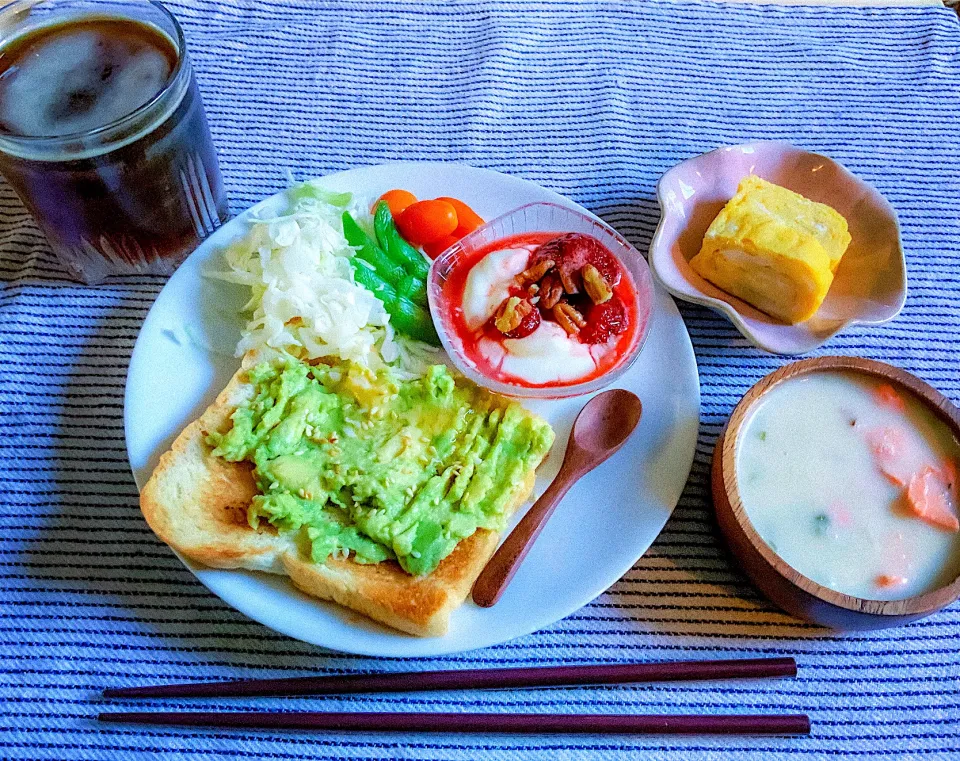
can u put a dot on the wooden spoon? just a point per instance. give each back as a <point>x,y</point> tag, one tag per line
<point>601,428</point>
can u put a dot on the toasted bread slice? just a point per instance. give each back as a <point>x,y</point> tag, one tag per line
<point>197,503</point>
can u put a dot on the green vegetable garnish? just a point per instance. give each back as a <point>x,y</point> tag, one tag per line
<point>397,248</point>
<point>821,524</point>
<point>414,289</point>
<point>408,318</point>
<point>309,190</point>
<point>369,251</point>
<point>403,293</point>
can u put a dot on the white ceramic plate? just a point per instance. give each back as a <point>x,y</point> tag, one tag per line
<point>184,356</point>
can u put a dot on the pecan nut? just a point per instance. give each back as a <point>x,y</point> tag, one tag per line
<point>511,313</point>
<point>595,284</point>
<point>568,318</point>
<point>535,273</point>
<point>568,281</point>
<point>550,291</point>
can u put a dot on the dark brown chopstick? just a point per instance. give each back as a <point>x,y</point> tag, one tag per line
<point>513,723</point>
<point>553,676</point>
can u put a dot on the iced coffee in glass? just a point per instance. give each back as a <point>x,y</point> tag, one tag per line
<point>103,134</point>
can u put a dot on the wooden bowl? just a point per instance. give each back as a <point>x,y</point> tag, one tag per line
<point>786,587</point>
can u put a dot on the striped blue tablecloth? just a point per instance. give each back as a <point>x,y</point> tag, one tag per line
<point>594,100</point>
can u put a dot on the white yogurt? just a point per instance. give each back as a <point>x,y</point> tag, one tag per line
<point>826,466</point>
<point>535,358</point>
<point>488,284</point>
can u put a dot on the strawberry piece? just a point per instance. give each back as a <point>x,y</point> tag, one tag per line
<point>529,324</point>
<point>573,250</point>
<point>604,321</point>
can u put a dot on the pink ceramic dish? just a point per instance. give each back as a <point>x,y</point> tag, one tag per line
<point>870,286</point>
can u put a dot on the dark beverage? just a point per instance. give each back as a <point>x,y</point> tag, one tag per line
<point>104,138</point>
<point>75,76</point>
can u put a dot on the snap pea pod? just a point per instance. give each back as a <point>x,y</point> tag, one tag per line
<point>365,275</point>
<point>367,250</point>
<point>414,289</point>
<point>399,251</point>
<point>413,321</point>
<point>406,317</point>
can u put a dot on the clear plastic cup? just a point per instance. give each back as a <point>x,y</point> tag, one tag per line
<point>540,218</point>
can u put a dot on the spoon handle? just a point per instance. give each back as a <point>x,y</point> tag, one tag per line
<point>497,574</point>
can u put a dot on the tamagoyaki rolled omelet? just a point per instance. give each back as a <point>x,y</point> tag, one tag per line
<point>774,249</point>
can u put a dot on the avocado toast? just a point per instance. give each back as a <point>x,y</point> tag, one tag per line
<point>383,495</point>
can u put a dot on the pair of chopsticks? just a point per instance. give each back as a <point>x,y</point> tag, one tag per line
<point>679,671</point>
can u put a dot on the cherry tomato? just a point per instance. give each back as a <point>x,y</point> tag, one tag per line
<point>434,248</point>
<point>427,221</point>
<point>467,219</point>
<point>398,200</point>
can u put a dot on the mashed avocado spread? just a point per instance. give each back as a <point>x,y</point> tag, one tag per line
<point>378,467</point>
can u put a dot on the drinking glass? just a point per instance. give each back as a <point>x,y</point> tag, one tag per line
<point>134,195</point>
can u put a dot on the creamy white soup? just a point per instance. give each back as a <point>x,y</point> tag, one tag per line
<point>854,484</point>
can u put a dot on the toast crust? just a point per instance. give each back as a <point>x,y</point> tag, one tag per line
<point>197,503</point>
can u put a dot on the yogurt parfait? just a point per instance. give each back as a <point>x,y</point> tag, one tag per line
<point>549,312</point>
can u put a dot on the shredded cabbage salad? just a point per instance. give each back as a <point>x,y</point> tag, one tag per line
<point>304,299</point>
